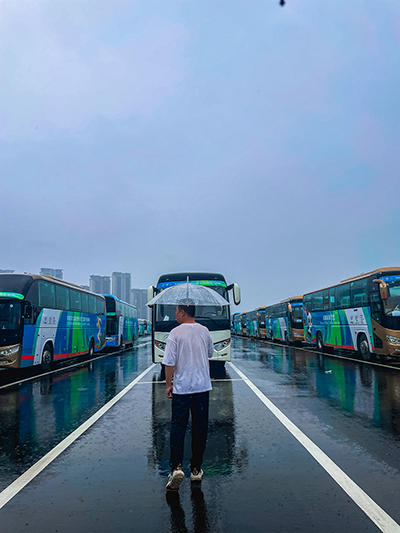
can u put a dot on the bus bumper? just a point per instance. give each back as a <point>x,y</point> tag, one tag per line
<point>10,356</point>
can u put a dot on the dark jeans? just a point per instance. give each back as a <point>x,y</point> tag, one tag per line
<point>197,404</point>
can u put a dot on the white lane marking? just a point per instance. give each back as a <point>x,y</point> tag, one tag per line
<point>17,485</point>
<point>144,344</point>
<point>384,522</point>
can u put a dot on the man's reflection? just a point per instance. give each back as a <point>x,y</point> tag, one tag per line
<point>178,523</point>
<point>199,511</point>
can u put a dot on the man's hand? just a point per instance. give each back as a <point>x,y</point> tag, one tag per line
<point>169,372</point>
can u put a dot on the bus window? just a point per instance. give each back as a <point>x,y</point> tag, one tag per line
<point>47,297</point>
<point>317,301</point>
<point>326,300</point>
<point>359,296</point>
<point>100,306</point>
<point>10,314</point>
<point>75,300</point>
<point>307,302</point>
<point>85,302</point>
<point>342,295</point>
<point>92,304</point>
<point>376,307</point>
<point>332,304</point>
<point>62,297</point>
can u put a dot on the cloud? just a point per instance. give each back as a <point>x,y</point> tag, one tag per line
<point>63,74</point>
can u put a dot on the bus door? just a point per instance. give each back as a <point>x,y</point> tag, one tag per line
<point>283,327</point>
<point>46,332</point>
<point>120,330</point>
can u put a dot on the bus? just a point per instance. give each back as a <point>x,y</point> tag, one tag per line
<point>361,313</point>
<point>43,319</point>
<point>284,321</point>
<point>215,318</point>
<point>122,322</point>
<point>252,324</point>
<point>236,324</point>
<point>243,321</point>
<point>142,326</point>
<point>262,328</point>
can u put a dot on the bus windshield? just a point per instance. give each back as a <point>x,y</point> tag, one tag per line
<point>10,315</point>
<point>392,304</point>
<point>166,313</point>
<point>297,316</point>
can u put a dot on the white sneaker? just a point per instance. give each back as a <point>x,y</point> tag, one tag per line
<point>175,479</point>
<point>196,475</point>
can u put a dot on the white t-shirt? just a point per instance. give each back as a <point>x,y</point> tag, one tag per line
<point>189,346</point>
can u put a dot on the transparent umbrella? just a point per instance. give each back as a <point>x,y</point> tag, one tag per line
<point>188,294</point>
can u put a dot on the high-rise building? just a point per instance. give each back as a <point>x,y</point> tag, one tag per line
<point>100,284</point>
<point>54,272</point>
<point>6,271</point>
<point>139,299</point>
<point>121,286</point>
<point>86,287</point>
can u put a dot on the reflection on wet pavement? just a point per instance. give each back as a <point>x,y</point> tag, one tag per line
<point>38,414</point>
<point>371,392</point>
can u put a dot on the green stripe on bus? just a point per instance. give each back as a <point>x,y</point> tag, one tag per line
<point>11,295</point>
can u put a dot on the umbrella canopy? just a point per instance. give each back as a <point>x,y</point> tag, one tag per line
<point>188,294</point>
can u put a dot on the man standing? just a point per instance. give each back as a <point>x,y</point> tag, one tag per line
<point>189,347</point>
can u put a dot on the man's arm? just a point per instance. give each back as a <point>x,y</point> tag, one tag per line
<point>169,372</point>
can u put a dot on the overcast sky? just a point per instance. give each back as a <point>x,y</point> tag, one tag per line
<point>239,137</point>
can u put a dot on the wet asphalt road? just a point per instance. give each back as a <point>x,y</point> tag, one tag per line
<point>258,477</point>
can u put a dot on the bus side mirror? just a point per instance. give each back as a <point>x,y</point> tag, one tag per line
<point>236,294</point>
<point>28,311</point>
<point>383,290</point>
<point>290,309</point>
<point>150,293</point>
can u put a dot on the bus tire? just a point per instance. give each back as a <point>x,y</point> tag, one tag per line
<point>47,358</point>
<point>272,337</point>
<point>91,349</point>
<point>320,343</point>
<point>363,347</point>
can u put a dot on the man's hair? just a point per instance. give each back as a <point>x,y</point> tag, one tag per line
<point>190,310</point>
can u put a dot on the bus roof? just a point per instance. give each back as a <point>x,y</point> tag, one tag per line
<point>376,272</point>
<point>115,298</point>
<point>21,283</point>
<point>367,274</point>
<point>182,276</point>
<point>291,299</point>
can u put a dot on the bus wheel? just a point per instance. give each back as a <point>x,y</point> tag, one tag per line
<point>272,337</point>
<point>47,358</point>
<point>91,348</point>
<point>363,347</point>
<point>320,344</point>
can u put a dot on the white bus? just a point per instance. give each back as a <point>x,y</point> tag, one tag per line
<point>216,319</point>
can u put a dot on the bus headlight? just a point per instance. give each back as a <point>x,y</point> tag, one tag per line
<point>9,351</point>
<point>160,345</point>
<point>218,346</point>
<point>393,340</point>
